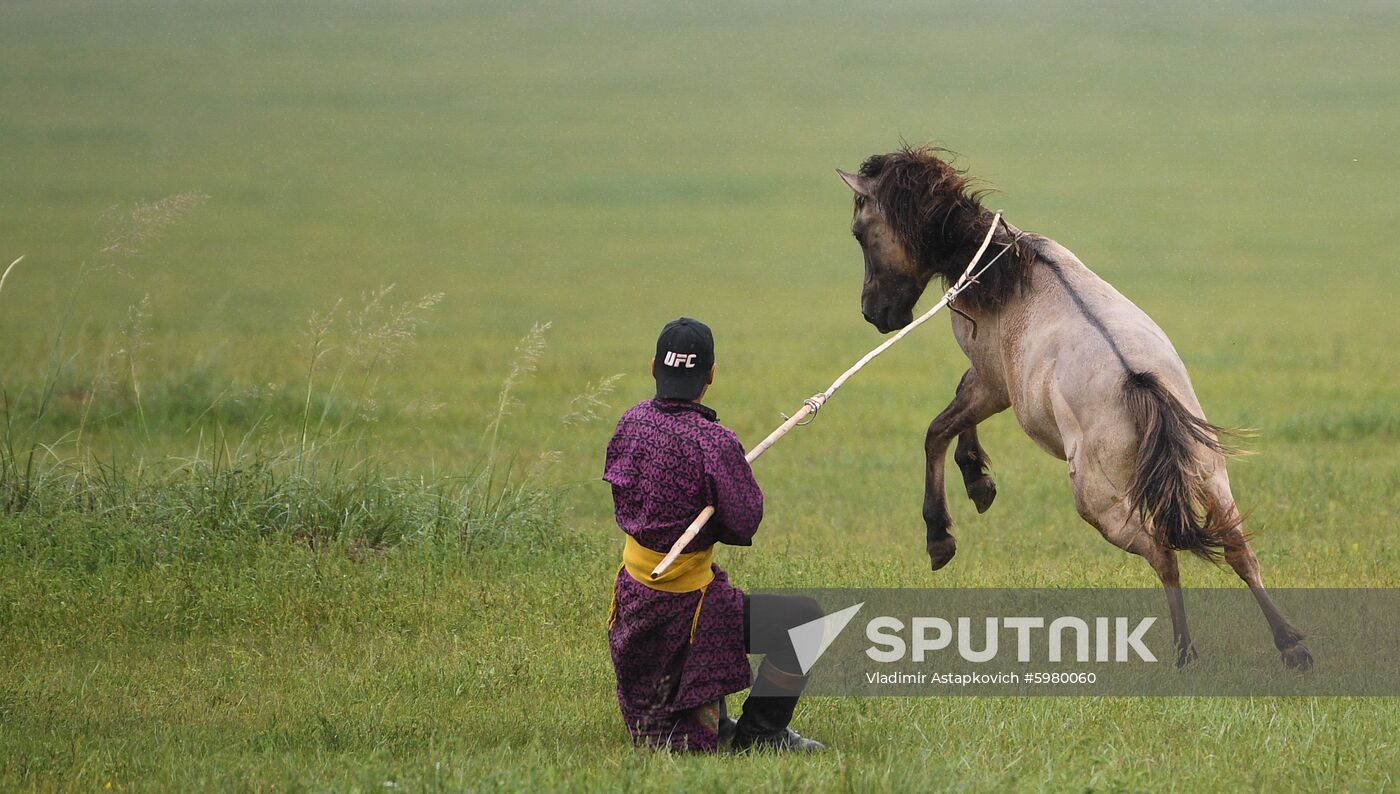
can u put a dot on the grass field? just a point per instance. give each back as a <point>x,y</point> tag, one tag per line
<point>231,578</point>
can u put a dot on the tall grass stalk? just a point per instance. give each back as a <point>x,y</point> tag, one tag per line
<point>134,333</point>
<point>527,357</point>
<point>318,329</point>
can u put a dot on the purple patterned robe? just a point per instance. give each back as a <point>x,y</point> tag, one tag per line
<point>667,460</point>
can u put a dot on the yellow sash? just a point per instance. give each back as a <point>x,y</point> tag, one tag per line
<point>690,572</point>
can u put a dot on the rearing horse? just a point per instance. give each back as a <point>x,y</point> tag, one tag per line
<point>1091,378</point>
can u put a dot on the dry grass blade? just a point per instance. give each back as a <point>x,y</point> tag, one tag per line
<point>527,358</point>
<point>6,274</point>
<point>128,231</point>
<point>586,406</point>
<point>379,331</point>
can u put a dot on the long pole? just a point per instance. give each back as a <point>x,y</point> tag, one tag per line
<point>815,402</point>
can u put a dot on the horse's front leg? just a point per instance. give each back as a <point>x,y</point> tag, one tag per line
<point>973,461</point>
<point>973,403</point>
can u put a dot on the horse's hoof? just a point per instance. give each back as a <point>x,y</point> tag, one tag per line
<point>940,552</point>
<point>1185,656</point>
<point>982,492</point>
<point>1297,657</point>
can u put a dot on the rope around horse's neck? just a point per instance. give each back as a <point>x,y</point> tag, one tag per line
<point>967,280</point>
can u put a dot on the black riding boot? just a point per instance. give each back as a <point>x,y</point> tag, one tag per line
<point>727,725</point>
<point>764,723</point>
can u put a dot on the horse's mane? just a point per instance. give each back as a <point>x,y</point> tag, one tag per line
<point>936,210</point>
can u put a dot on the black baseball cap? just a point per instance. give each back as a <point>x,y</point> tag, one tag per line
<point>685,352</point>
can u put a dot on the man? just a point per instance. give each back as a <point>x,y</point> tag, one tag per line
<point>680,643</point>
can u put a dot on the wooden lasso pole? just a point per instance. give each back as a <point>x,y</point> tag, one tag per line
<point>814,403</point>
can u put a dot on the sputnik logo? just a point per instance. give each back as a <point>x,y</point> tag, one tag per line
<point>810,640</point>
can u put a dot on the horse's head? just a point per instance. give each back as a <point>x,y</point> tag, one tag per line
<point>914,216</point>
<point>893,283</point>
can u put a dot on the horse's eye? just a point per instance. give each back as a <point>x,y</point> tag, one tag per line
<point>859,235</point>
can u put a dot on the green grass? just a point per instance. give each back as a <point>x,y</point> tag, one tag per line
<point>607,167</point>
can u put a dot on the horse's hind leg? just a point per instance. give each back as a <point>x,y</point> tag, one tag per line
<point>1240,556</point>
<point>973,461</point>
<point>1103,505</point>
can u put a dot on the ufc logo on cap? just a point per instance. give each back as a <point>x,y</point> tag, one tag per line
<point>674,359</point>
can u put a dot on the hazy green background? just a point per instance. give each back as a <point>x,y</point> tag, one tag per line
<point>607,167</point>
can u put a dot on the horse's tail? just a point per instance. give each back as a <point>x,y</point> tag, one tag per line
<point>1169,491</point>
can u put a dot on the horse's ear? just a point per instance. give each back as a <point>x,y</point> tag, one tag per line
<point>860,184</point>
